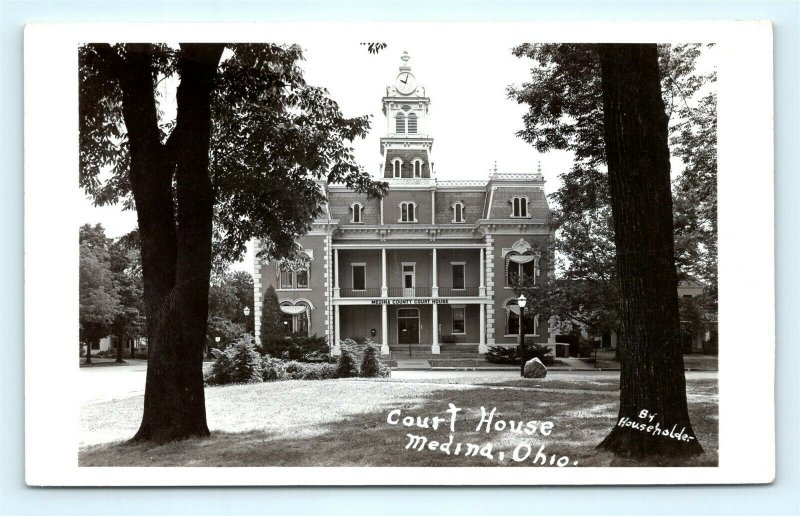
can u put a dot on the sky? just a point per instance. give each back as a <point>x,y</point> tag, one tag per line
<point>473,122</point>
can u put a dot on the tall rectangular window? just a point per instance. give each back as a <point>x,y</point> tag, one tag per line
<point>359,277</point>
<point>458,320</point>
<point>302,279</point>
<point>458,275</point>
<point>286,279</point>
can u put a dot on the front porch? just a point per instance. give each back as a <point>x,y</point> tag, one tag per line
<point>413,328</point>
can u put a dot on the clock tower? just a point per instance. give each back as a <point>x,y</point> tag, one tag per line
<point>407,144</point>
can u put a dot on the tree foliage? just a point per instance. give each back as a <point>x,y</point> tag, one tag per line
<point>565,112</point>
<point>240,157</point>
<point>271,318</point>
<point>99,299</point>
<point>273,138</point>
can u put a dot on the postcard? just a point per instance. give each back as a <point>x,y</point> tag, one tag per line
<point>399,254</point>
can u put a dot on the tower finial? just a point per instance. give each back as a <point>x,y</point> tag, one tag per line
<point>539,168</point>
<point>405,66</point>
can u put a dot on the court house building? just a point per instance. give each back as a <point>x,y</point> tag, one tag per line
<point>429,267</point>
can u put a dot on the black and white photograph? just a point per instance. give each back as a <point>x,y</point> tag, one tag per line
<point>475,248</point>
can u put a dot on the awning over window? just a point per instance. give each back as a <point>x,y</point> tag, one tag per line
<point>293,309</point>
<point>514,309</point>
<point>521,258</point>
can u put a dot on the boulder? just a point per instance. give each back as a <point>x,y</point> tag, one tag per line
<point>534,368</point>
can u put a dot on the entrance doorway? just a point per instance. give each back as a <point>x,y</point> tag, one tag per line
<point>408,326</point>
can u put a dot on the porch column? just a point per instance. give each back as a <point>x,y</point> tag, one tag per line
<point>384,287</point>
<point>336,284</point>
<point>435,347</point>
<point>482,286</point>
<point>482,348</point>
<point>384,330</point>
<point>337,350</point>
<point>435,285</point>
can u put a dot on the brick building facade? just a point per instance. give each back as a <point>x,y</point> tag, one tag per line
<point>431,264</point>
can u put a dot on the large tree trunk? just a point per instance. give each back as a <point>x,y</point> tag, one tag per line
<point>120,344</point>
<point>652,376</point>
<point>176,254</point>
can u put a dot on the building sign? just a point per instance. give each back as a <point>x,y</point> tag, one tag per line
<point>437,301</point>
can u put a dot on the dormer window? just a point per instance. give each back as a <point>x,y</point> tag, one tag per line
<point>458,212</point>
<point>397,165</point>
<point>400,123</point>
<point>417,164</point>
<point>412,123</point>
<point>357,213</point>
<point>519,207</point>
<point>408,212</point>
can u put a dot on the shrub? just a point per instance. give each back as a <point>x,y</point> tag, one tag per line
<point>309,371</point>
<point>238,363</point>
<point>347,367</point>
<point>543,353</point>
<point>370,365</point>
<point>502,355</point>
<point>273,369</point>
<point>510,355</point>
<point>586,348</point>
<point>296,347</point>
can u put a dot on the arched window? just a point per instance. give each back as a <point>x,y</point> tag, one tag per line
<point>400,123</point>
<point>296,318</point>
<point>519,207</point>
<point>417,165</point>
<point>458,212</point>
<point>412,123</point>
<point>357,212</point>
<point>520,268</point>
<point>531,321</point>
<point>397,165</point>
<point>408,212</point>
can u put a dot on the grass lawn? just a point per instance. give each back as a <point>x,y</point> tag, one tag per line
<point>695,362</point>
<point>344,423</point>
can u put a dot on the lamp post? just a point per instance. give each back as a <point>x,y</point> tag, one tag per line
<point>246,318</point>
<point>521,302</point>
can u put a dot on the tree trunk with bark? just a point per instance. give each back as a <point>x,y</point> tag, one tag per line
<point>652,376</point>
<point>120,344</point>
<point>175,240</point>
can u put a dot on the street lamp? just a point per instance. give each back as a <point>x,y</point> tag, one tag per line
<point>521,302</point>
<point>246,311</point>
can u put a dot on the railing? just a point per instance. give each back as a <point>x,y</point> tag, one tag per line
<point>363,292</point>
<point>458,292</point>
<point>410,292</point>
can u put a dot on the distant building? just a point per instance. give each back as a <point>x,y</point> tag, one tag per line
<point>430,265</point>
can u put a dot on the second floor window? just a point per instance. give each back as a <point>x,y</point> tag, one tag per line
<point>359,276</point>
<point>290,279</point>
<point>519,207</point>
<point>408,212</point>
<point>458,275</point>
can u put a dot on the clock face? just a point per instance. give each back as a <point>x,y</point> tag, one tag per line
<point>406,83</point>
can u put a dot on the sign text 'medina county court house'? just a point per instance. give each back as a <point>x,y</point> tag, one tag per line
<point>429,266</point>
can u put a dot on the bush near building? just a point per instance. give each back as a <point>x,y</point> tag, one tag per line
<point>510,355</point>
